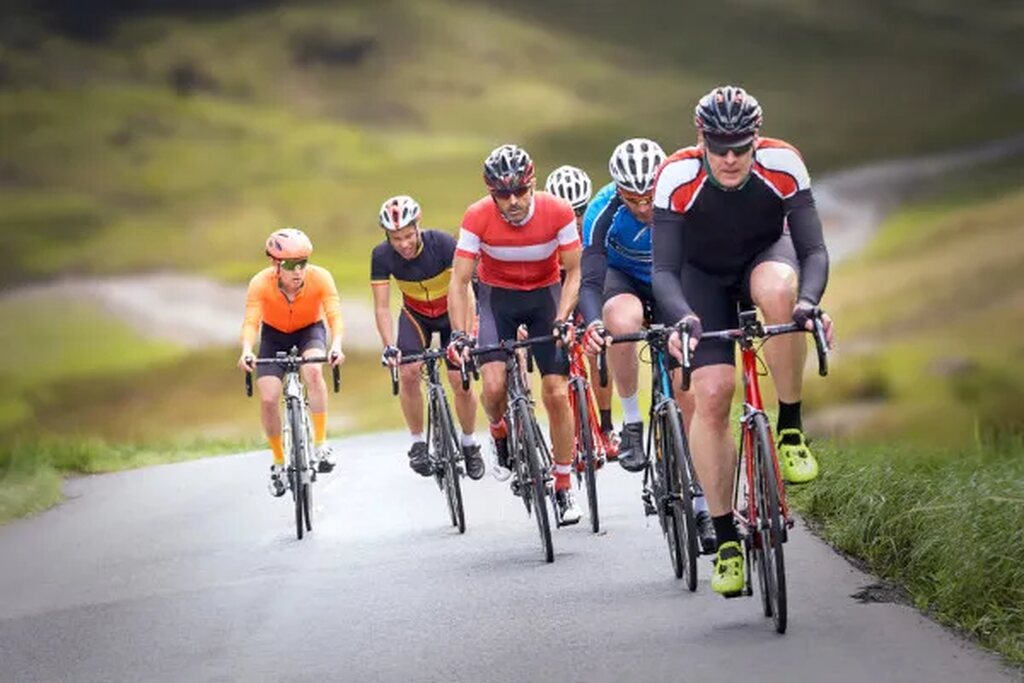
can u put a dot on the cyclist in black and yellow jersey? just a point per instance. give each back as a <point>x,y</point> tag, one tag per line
<point>420,262</point>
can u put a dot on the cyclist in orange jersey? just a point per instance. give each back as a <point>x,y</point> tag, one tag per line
<point>291,298</point>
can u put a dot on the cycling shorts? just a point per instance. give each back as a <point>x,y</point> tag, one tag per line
<point>714,299</point>
<point>415,332</point>
<point>273,340</point>
<point>502,311</point>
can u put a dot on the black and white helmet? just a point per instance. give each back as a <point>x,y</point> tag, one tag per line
<point>398,212</point>
<point>571,184</point>
<point>728,112</point>
<point>634,163</point>
<point>507,168</point>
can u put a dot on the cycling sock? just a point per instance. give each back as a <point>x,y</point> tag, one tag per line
<point>319,428</point>
<point>277,447</point>
<point>606,420</point>
<point>700,504</point>
<point>499,430</point>
<point>725,529</point>
<point>417,437</point>
<point>631,408</point>
<point>468,439</point>
<point>562,480</point>
<point>789,416</point>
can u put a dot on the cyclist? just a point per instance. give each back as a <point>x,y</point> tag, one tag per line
<point>420,261</point>
<point>520,237</point>
<point>573,185</point>
<point>734,219</point>
<point>290,298</point>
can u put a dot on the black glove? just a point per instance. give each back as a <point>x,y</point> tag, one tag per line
<point>692,325</point>
<point>389,353</point>
<point>564,331</point>
<point>805,311</point>
<point>458,343</point>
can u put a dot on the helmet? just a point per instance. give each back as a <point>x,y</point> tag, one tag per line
<point>398,212</point>
<point>571,184</point>
<point>507,168</point>
<point>728,112</point>
<point>288,243</point>
<point>634,163</point>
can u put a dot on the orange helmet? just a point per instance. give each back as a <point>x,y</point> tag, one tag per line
<point>288,243</point>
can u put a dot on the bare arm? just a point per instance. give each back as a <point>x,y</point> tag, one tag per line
<point>570,260</point>
<point>382,313</point>
<point>460,295</point>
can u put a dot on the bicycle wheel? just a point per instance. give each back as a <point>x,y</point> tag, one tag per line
<point>772,564</point>
<point>300,491</point>
<point>682,501</point>
<point>662,493</point>
<point>536,484</point>
<point>450,467</point>
<point>585,439</point>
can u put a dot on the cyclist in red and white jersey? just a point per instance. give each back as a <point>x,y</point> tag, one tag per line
<point>734,220</point>
<point>520,237</point>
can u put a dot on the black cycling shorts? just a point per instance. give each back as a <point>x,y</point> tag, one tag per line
<point>714,299</point>
<point>502,311</point>
<point>273,340</point>
<point>616,282</point>
<point>415,332</point>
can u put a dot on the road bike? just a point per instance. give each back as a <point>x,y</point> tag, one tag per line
<point>759,496</point>
<point>296,432</point>
<point>589,446</point>
<point>444,449</point>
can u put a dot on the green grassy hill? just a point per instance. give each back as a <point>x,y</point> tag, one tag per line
<point>179,139</point>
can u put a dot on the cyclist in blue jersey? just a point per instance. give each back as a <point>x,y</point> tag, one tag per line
<point>616,292</point>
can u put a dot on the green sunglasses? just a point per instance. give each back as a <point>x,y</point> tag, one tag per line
<point>293,263</point>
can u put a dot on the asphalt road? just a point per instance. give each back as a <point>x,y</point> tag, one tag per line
<point>191,572</point>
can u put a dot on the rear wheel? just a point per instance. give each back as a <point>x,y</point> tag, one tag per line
<point>770,526</point>
<point>586,445</point>
<point>536,482</point>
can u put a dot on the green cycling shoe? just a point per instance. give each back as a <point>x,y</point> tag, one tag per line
<point>729,570</point>
<point>798,465</point>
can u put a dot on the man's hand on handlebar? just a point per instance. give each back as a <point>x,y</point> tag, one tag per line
<point>391,356</point>
<point>804,314</point>
<point>564,332</point>
<point>459,347</point>
<point>596,338</point>
<point>336,356</point>
<point>247,361</point>
<point>690,324</point>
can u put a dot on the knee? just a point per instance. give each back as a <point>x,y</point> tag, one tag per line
<point>621,316</point>
<point>713,397</point>
<point>409,376</point>
<point>313,376</point>
<point>268,402</point>
<point>776,294</point>
<point>493,391</point>
<point>555,393</point>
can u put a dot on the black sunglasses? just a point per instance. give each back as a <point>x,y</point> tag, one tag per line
<point>580,211</point>
<point>519,192</point>
<point>719,149</point>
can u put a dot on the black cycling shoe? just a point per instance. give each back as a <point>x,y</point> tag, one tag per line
<point>631,447</point>
<point>474,462</point>
<point>705,533</point>
<point>419,459</point>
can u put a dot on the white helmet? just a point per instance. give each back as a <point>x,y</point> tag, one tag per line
<point>571,184</point>
<point>398,212</point>
<point>634,163</point>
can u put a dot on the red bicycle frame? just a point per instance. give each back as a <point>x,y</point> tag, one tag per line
<point>578,373</point>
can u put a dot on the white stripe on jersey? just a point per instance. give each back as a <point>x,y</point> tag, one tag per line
<point>468,242</point>
<point>568,234</point>
<point>533,252</point>
<point>676,173</point>
<point>787,161</point>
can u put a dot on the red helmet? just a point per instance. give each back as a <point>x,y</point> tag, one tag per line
<point>288,243</point>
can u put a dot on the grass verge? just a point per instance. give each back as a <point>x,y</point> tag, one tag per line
<point>945,525</point>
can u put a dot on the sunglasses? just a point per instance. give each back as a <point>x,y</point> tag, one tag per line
<point>580,211</point>
<point>636,199</point>
<point>519,192</point>
<point>720,150</point>
<point>293,263</point>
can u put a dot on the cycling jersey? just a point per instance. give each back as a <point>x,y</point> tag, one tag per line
<point>721,231</point>
<point>423,279</point>
<point>522,257</point>
<point>612,239</point>
<point>266,303</point>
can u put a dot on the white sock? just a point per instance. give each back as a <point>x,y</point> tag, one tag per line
<point>562,469</point>
<point>468,439</point>
<point>631,408</point>
<point>418,437</point>
<point>700,504</point>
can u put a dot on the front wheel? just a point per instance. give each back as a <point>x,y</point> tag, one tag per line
<point>300,488</point>
<point>682,500</point>
<point>770,527</point>
<point>450,465</point>
<point>537,482</point>
<point>585,439</point>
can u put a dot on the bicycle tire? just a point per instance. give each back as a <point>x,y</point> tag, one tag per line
<point>452,485</point>
<point>537,484</point>
<point>662,496</point>
<point>586,444</point>
<point>299,494</point>
<point>682,501</point>
<point>773,564</point>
